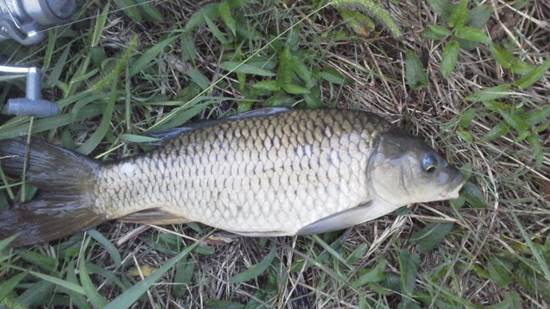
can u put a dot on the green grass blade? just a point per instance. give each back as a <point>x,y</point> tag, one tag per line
<point>534,250</point>
<point>255,270</point>
<point>9,285</point>
<point>130,296</point>
<point>450,58</point>
<point>533,76</point>
<point>60,282</point>
<point>108,245</point>
<point>88,286</point>
<point>149,55</point>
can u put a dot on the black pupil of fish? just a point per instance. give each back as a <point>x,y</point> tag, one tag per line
<point>428,163</point>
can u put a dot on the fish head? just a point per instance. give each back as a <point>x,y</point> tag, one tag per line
<point>403,169</point>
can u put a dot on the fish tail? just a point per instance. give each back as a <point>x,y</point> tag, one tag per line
<point>65,203</point>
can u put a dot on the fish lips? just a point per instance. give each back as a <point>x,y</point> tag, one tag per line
<point>455,185</point>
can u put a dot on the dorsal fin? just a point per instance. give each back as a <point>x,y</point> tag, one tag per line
<point>165,135</point>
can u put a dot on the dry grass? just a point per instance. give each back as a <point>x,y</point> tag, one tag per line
<point>303,273</point>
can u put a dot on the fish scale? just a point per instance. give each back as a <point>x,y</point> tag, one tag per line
<point>272,174</point>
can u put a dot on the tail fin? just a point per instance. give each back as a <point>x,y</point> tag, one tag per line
<point>66,205</point>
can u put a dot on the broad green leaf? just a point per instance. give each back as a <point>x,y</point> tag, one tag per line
<point>533,76</point>
<point>280,99</point>
<point>10,284</point>
<point>450,58</point>
<point>431,235</point>
<point>516,121</point>
<point>537,116</point>
<point>499,271</point>
<point>479,15</point>
<point>151,13</point>
<point>375,274</point>
<point>267,85</point>
<point>239,67</point>
<point>303,72</point>
<point>473,195</point>
<point>536,146</point>
<point>442,8</point>
<point>490,94</point>
<point>255,270</point>
<point>295,89</point>
<point>465,135</point>
<point>107,245</point>
<point>332,76</point>
<point>459,14</point>
<point>497,131</point>
<point>91,291</point>
<point>408,267</point>
<point>285,71</point>
<point>458,202</point>
<point>313,101</point>
<point>467,116</point>
<point>130,296</point>
<point>184,275</point>
<point>225,14</point>
<point>130,9</point>
<point>520,67</point>
<point>184,272</point>
<point>436,32</point>
<point>504,57</point>
<point>197,19</point>
<point>358,253</point>
<point>60,282</point>
<point>149,55</point>
<point>472,34</point>
<point>414,70</point>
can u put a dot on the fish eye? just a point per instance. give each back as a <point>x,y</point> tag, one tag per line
<point>429,163</point>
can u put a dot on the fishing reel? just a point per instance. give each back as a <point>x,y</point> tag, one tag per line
<point>25,22</point>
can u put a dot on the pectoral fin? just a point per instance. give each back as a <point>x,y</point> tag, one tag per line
<point>155,216</point>
<point>348,218</point>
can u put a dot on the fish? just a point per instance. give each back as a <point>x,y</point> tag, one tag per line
<point>264,173</point>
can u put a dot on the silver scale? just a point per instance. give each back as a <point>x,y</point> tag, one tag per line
<point>24,21</point>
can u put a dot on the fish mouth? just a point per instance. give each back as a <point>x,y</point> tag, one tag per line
<point>455,185</point>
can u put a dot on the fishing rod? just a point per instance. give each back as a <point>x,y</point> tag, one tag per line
<point>24,22</point>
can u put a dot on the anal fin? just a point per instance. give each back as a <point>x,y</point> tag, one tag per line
<point>155,216</point>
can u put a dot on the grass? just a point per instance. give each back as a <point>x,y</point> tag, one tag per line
<point>471,78</point>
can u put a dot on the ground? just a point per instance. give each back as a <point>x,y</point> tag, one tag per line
<point>469,78</point>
